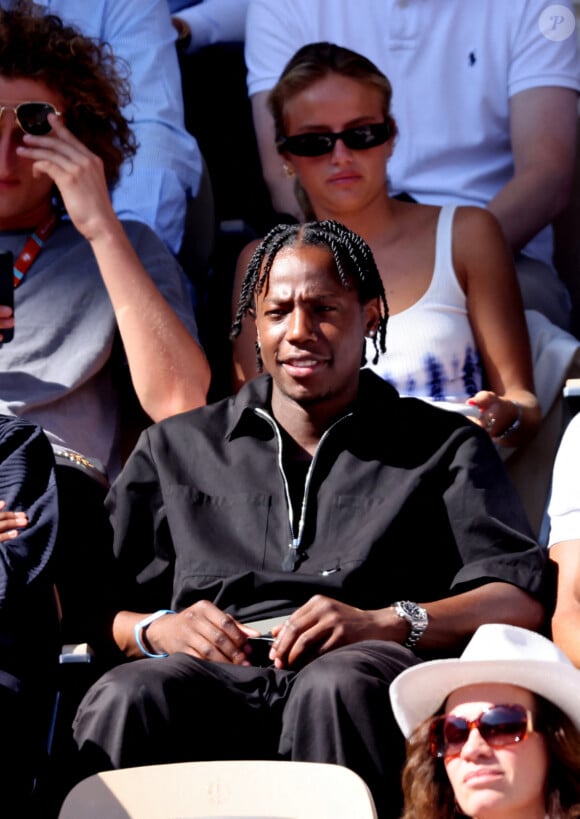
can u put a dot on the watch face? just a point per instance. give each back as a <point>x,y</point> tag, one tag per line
<point>416,612</point>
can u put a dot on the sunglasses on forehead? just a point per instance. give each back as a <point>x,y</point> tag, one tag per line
<point>500,725</point>
<point>358,138</point>
<point>32,117</point>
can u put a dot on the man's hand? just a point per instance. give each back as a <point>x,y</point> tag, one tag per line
<point>203,631</point>
<point>10,522</point>
<point>78,174</point>
<point>323,624</point>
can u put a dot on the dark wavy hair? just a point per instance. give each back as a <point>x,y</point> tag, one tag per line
<point>315,62</point>
<point>355,265</point>
<point>428,793</point>
<point>94,84</point>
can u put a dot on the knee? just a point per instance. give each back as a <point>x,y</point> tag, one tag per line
<point>117,692</point>
<point>355,671</point>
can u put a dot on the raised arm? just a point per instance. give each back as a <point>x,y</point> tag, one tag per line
<point>485,268</point>
<point>543,124</point>
<point>280,185</point>
<point>212,21</point>
<point>168,368</point>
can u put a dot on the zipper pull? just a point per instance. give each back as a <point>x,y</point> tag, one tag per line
<point>291,558</point>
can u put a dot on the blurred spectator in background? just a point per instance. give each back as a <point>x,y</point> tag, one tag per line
<point>485,97</point>
<point>28,615</point>
<point>204,22</point>
<point>167,168</point>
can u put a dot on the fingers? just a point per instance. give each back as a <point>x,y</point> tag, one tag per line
<point>302,633</point>
<point>11,523</point>
<point>6,319</point>
<point>214,635</point>
<point>58,150</point>
<point>79,175</point>
<point>497,414</point>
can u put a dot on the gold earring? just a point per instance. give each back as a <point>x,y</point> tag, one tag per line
<point>287,169</point>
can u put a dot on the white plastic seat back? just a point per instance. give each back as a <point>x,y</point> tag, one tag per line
<point>243,789</point>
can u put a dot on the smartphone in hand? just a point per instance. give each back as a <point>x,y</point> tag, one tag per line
<point>260,649</point>
<point>7,289</point>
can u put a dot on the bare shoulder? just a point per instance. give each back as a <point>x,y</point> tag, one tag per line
<point>477,234</point>
<point>247,252</point>
<point>469,221</point>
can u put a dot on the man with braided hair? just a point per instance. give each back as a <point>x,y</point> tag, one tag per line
<point>378,530</point>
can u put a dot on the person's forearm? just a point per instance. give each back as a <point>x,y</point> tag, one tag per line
<point>123,633</point>
<point>565,555</point>
<point>280,185</point>
<point>453,620</point>
<point>566,631</point>
<point>215,21</point>
<point>168,368</point>
<point>529,202</point>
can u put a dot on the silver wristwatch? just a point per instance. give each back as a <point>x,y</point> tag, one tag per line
<point>417,618</point>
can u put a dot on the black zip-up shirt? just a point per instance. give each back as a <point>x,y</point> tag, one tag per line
<point>402,501</point>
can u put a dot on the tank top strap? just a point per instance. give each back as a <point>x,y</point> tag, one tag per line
<point>444,253</point>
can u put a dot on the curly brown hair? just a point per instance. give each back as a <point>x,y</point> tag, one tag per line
<point>428,793</point>
<point>94,84</point>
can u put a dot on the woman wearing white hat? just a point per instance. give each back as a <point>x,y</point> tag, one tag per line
<point>494,734</point>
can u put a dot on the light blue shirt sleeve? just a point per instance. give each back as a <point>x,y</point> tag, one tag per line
<point>154,187</point>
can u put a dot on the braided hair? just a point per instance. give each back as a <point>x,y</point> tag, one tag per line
<point>355,264</point>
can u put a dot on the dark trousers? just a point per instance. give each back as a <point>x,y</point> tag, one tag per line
<point>336,709</point>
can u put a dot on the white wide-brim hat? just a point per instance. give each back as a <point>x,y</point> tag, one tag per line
<point>496,653</point>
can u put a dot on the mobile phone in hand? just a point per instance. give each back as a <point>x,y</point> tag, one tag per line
<point>260,649</point>
<point>7,289</point>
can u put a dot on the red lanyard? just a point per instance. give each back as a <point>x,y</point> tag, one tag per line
<point>32,247</point>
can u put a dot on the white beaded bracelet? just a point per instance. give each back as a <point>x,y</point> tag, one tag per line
<point>514,425</point>
<point>141,625</point>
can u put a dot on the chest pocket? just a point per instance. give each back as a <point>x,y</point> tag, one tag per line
<point>217,535</point>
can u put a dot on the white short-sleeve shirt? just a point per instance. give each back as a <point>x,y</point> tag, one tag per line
<point>564,509</point>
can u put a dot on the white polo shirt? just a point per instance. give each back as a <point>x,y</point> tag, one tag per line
<point>564,509</point>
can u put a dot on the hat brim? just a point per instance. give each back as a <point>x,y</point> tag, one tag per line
<point>419,692</point>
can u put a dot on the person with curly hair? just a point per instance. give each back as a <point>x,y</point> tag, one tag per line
<point>92,294</point>
<point>164,177</point>
<point>493,734</point>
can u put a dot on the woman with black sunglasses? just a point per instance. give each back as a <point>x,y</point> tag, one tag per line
<point>494,734</point>
<point>457,331</point>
